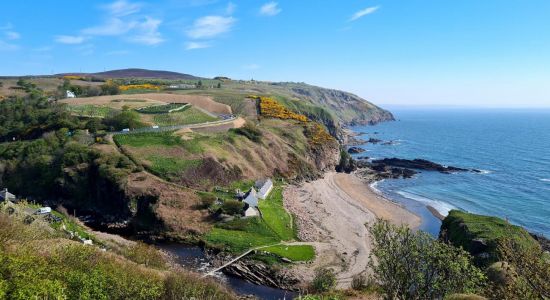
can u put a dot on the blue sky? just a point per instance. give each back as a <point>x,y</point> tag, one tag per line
<point>472,53</point>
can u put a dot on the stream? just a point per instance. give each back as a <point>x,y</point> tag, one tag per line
<point>192,257</point>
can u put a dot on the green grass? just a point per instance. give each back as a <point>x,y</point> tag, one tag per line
<point>170,166</point>
<point>293,252</point>
<point>148,139</point>
<point>188,116</point>
<point>275,215</point>
<point>162,109</point>
<point>238,241</point>
<point>89,110</point>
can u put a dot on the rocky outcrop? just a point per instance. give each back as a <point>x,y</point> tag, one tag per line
<point>355,150</point>
<point>260,274</point>
<point>418,164</point>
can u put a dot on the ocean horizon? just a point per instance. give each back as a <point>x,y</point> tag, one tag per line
<point>509,146</point>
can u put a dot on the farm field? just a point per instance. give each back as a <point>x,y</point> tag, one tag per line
<point>190,115</point>
<point>93,111</point>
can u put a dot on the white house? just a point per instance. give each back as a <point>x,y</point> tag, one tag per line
<point>264,188</point>
<point>251,198</point>
<point>43,210</point>
<point>70,94</point>
<point>251,212</point>
<point>6,196</point>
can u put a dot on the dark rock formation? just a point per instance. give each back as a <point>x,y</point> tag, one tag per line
<point>355,150</point>
<point>261,274</point>
<point>374,141</point>
<point>418,164</point>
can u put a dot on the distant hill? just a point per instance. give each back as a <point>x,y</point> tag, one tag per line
<point>138,73</point>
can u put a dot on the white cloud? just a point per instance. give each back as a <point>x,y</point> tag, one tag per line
<point>12,35</point>
<point>197,45</point>
<point>363,12</point>
<point>210,26</point>
<point>147,32</point>
<point>70,39</point>
<point>270,9</point>
<point>122,8</point>
<point>113,26</point>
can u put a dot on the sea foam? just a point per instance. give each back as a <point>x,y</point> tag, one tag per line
<point>545,179</point>
<point>442,207</point>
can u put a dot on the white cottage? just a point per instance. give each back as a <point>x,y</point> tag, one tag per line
<point>251,198</point>
<point>7,196</point>
<point>264,188</point>
<point>251,212</point>
<point>70,94</point>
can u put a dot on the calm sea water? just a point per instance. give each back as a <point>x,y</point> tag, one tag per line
<point>512,147</point>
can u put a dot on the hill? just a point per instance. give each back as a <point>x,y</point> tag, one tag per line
<point>137,73</point>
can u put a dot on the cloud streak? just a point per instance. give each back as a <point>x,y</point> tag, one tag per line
<point>210,26</point>
<point>367,11</point>
<point>197,45</point>
<point>70,39</point>
<point>270,9</point>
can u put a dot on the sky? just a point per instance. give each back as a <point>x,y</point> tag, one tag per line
<point>490,53</point>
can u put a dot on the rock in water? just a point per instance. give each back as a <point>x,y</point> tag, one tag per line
<point>355,150</point>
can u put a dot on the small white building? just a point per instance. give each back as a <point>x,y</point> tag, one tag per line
<point>7,196</point>
<point>251,212</point>
<point>264,188</point>
<point>43,210</point>
<point>70,94</point>
<point>251,198</point>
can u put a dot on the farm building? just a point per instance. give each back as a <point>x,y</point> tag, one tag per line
<point>70,94</point>
<point>252,198</point>
<point>7,196</point>
<point>251,212</point>
<point>264,188</point>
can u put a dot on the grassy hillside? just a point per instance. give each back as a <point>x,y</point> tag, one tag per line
<point>40,262</point>
<point>480,234</point>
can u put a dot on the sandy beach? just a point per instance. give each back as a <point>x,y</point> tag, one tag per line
<point>331,213</point>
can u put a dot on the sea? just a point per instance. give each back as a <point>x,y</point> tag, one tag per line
<point>511,147</point>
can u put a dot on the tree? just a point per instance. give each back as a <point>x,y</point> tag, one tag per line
<point>324,280</point>
<point>522,273</point>
<point>232,207</point>
<point>199,84</point>
<point>413,265</point>
<point>219,85</point>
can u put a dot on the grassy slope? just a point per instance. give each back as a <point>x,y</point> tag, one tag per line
<point>191,115</point>
<point>275,215</point>
<point>43,263</point>
<point>463,227</point>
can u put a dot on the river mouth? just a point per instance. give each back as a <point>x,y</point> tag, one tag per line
<point>193,258</point>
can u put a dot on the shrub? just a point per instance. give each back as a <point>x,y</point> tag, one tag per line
<point>232,207</point>
<point>207,200</point>
<point>413,265</point>
<point>250,131</point>
<point>146,255</point>
<point>324,281</point>
<point>358,282</point>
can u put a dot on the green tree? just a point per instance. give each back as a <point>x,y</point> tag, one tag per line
<point>199,84</point>
<point>324,280</point>
<point>232,207</point>
<point>413,265</point>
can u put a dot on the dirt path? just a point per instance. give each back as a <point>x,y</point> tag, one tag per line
<point>332,212</point>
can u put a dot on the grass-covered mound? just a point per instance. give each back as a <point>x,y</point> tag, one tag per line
<point>480,234</point>
<point>37,262</point>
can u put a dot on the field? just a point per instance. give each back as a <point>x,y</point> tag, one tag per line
<point>190,115</point>
<point>94,111</point>
<point>203,102</point>
<point>293,252</point>
<point>170,167</point>
<point>275,215</point>
<point>162,109</point>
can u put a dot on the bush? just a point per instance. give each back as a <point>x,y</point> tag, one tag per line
<point>250,131</point>
<point>232,207</point>
<point>146,255</point>
<point>413,265</point>
<point>324,281</point>
<point>207,200</point>
<point>359,282</point>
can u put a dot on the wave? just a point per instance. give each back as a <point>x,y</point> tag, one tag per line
<point>483,172</point>
<point>374,187</point>
<point>545,179</point>
<point>442,207</point>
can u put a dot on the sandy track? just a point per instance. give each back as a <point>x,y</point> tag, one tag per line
<point>332,212</point>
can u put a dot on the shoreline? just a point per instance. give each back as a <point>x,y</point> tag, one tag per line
<point>333,214</point>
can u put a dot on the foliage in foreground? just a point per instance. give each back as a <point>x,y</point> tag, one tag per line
<point>35,264</point>
<point>413,265</point>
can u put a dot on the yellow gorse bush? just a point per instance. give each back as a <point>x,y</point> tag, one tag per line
<point>146,86</point>
<point>270,108</point>
<point>72,77</point>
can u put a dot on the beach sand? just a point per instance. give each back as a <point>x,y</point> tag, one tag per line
<point>331,213</point>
